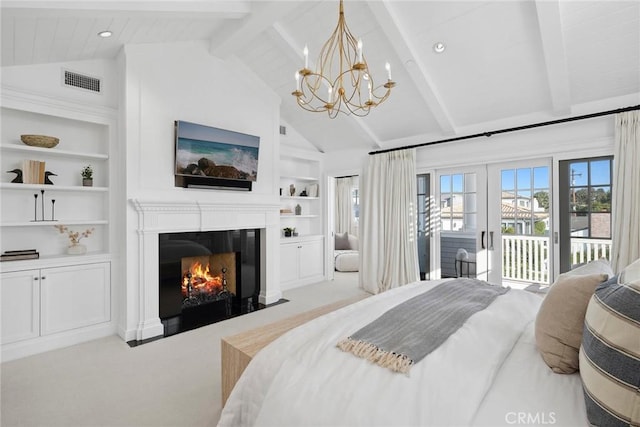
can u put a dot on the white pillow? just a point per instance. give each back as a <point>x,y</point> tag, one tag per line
<point>631,273</point>
<point>598,266</point>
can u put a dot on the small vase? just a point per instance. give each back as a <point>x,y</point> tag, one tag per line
<point>87,182</point>
<point>298,210</point>
<point>77,249</point>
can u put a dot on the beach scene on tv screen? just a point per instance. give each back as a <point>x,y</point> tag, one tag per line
<point>217,153</point>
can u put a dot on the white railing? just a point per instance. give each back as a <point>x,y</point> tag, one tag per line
<point>585,250</point>
<point>525,258</point>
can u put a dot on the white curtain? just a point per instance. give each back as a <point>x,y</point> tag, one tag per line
<point>344,205</point>
<point>626,190</point>
<point>388,246</point>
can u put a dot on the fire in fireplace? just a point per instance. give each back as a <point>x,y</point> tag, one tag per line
<point>206,277</point>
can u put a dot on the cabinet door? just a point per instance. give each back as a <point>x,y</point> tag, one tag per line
<point>288,262</point>
<point>20,302</point>
<point>75,296</point>
<point>311,259</point>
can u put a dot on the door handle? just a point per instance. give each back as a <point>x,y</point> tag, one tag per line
<point>491,240</point>
<point>482,239</point>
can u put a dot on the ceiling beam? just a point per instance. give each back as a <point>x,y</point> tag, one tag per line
<point>261,18</point>
<point>550,24</point>
<point>408,53</point>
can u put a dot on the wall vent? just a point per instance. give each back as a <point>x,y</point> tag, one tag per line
<point>81,81</point>
<point>283,130</point>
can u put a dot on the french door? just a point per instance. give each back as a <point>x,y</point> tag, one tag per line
<point>495,222</point>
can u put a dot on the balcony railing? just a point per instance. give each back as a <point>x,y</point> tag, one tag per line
<point>526,258</point>
<point>585,250</point>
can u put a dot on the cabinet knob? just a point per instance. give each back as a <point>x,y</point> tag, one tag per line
<point>43,277</point>
<point>36,278</point>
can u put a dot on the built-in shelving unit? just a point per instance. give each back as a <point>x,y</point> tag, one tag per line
<point>59,298</point>
<point>301,255</point>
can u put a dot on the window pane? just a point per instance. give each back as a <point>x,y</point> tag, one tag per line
<point>600,199</point>
<point>470,222</point>
<point>541,201</point>
<point>458,183</point>
<point>445,184</point>
<point>580,225</point>
<point>600,172</point>
<point>422,203</point>
<point>541,177</point>
<point>579,174</point>
<point>523,178</point>
<point>422,183</point>
<point>470,183</point>
<point>601,225</point>
<point>508,180</point>
<point>470,203</point>
<point>579,199</point>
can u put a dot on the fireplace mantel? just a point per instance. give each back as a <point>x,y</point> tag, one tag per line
<point>155,217</point>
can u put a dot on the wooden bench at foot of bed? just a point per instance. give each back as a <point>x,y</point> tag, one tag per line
<point>238,350</point>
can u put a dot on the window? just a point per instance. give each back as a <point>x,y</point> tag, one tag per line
<point>585,210</point>
<point>458,202</point>
<point>355,197</point>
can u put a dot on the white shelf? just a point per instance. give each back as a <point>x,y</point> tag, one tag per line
<point>49,187</point>
<point>297,216</point>
<point>52,223</point>
<point>299,198</point>
<point>54,151</point>
<point>299,178</point>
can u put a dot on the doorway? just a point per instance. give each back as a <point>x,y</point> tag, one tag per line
<point>496,223</point>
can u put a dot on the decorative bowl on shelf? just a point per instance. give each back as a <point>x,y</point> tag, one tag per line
<point>40,140</point>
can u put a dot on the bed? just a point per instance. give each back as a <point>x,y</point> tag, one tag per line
<point>487,373</point>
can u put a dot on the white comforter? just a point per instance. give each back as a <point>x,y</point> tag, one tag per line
<point>487,373</point>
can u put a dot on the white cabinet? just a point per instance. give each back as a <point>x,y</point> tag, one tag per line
<point>74,297</point>
<point>301,261</point>
<point>39,303</point>
<point>20,303</point>
<point>44,301</point>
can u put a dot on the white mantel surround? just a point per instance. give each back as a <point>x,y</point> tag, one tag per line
<point>155,217</point>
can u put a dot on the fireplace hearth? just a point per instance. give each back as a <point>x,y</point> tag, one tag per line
<point>206,277</point>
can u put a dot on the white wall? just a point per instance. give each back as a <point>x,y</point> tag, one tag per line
<point>47,79</point>
<point>575,139</point>
<point>182,81</point>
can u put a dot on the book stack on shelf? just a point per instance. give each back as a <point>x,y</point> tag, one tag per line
<point>19,254</point>
<point>33,172</point>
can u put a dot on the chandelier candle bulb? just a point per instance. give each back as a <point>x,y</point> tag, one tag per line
<point>305,52</point>
<point>359,50</point>
<point>387,66</point>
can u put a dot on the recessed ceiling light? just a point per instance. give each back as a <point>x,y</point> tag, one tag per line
<point>439,47</point>
<point>105,34</point>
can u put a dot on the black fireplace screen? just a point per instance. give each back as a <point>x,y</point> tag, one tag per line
<point>198,268</point>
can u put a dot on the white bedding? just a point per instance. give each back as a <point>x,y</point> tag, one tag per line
<point>487,373</point>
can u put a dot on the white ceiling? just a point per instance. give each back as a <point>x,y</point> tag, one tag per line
<point>507,63</point>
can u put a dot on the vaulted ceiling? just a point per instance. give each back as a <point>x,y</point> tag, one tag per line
<point>506,63</point>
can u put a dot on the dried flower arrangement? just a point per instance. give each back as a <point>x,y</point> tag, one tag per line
<point>74,236</point>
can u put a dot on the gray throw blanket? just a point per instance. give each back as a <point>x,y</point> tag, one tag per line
<point>408,332</point>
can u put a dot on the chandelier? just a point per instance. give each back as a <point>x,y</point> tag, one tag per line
<point>342,82</point>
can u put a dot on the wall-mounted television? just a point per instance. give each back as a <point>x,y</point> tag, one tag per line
<point>210,157</point>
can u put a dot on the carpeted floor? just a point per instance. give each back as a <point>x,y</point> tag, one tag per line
<point>174,381</point>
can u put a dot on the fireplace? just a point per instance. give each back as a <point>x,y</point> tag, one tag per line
<point>205,277</point>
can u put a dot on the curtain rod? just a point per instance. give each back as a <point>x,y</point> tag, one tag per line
<point>513,129</point>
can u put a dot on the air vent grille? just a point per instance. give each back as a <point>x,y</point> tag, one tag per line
<point>81,81</point>
<point>283,130</point>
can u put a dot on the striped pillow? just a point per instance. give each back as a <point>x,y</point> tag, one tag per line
<point>610,355</point>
